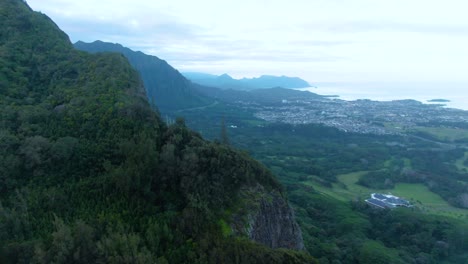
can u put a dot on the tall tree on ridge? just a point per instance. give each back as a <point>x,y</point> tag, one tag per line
<point>224,134</point>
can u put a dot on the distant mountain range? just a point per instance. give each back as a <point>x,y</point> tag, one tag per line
<point>170,91</point>
<point>165,86</point>
<point>227,82</point>
<point>264,96</point>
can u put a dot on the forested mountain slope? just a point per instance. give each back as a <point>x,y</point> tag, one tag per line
<point>165,86</point>
<point>90,174</point>
<point>171,91</point>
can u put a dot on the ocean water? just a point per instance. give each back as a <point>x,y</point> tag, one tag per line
<point>457,93</point>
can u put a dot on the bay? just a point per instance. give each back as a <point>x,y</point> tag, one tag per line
<point>456,93</point>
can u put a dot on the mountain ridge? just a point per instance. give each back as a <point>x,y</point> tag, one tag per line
<point>90,173</point>
<point>225,81</point>
<point>165,86</point>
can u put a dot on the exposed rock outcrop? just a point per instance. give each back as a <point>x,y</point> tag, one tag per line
<point>269,220</point>
<point>463,200</point>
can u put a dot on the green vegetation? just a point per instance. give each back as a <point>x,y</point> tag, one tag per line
<point>373,252</point>
<point>377,180</point>
<point>446,134</point>
<point>165,87</point>
<point>90,174</point>
<point>348,189</point>
<point>427,200</point>
<point>224,135</point>
<point>462,163</point>
<point>321,167</point>
<point>352,232</point>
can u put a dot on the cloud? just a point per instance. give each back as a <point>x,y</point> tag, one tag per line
<point>393,26</point>
<point>212,49</point>
<point>356,39</point>
<point>158,32</point>
<point>321,43</point>
<point>267,56</point>
<point>185,44</point>
<point>167,31</point>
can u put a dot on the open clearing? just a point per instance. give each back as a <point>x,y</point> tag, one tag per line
<point>460,162</point>
<point>418,194</point>
<point>444,133</point>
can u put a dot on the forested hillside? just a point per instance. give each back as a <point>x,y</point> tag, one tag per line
<point>165,86</point>
<point>322,169</point>
<point>171,92</point>
<point>90,174</point>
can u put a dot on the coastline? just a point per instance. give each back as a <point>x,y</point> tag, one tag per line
<point>455,98</point>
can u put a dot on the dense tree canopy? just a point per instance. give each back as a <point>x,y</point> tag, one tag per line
<point>89,172</point>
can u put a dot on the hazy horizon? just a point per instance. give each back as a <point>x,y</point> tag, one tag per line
<point>387,91</point>
<point>352,41</point>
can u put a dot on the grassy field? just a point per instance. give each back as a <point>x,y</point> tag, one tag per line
<point>406,163</point>
<point>346,189</point>
<point>443,133</point>
<point>460,162</point>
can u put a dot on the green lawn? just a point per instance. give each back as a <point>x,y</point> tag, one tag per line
<point>460,162</point>
<point>346,189</point>
<point>428,201</point>
<point>419,192</point>
<point>407,163</point>
<point>444,133</point>
<point>354,190</point>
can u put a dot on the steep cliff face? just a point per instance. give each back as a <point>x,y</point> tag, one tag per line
<point>273,224</point>
<point>268,220</point>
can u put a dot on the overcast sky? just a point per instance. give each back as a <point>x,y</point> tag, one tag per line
<point>318,40</point>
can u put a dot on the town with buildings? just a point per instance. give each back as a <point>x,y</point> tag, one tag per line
<point>361,116</point>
